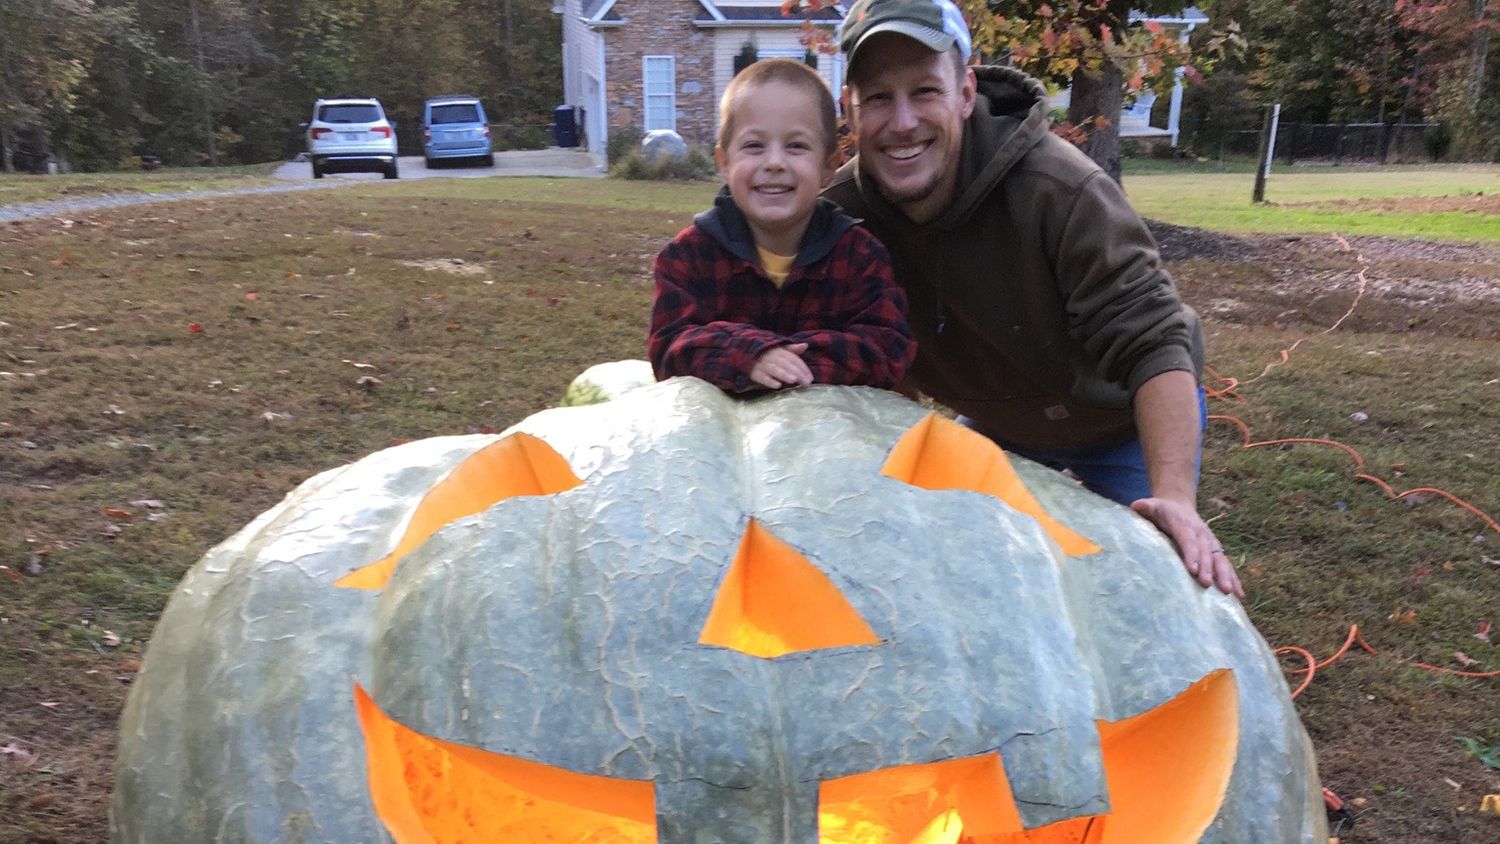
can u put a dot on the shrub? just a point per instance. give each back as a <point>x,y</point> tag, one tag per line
<point>696,165</point>
<point>622,142</point>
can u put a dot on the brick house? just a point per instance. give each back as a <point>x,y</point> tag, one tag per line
<point>662,64</point>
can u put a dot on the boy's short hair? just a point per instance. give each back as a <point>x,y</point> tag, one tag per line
<point>791,72</point>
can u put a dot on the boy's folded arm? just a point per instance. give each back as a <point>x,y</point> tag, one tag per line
<point>870,342</point>
<point>721,353</point>
<point>685,339</point>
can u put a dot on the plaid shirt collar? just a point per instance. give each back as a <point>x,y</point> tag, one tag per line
<point>726,224</point>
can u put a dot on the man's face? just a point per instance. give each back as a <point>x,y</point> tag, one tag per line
<point>907,105</point>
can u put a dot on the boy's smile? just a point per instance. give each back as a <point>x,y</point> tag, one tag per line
<point>776,162</point>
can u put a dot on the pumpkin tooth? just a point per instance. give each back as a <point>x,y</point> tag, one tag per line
<point>773,601</point>
<point>938,453</point>
<point>517,465</point>
<point>430,790</point>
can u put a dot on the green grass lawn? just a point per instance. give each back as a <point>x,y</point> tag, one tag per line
<point>21,189</point>
<point>1354,200</point>
<point>476,301</point>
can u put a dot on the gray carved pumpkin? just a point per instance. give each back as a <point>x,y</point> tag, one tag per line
<point>823,615</point>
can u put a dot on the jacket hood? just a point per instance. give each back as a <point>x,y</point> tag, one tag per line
<point>1010,117</point>
<point>726,223</point>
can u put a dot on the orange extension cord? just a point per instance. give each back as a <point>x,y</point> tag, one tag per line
<point>1227,389</point>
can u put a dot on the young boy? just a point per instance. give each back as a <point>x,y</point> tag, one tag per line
<point>774,287</point>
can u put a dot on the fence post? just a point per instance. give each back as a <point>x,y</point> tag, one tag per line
<point>1261,163</point>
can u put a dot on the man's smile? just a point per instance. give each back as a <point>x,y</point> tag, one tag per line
<point>906,153</point>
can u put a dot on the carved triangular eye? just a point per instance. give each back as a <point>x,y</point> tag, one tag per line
<point>1167,770</point>
<point>774,602</point>
<point>519,464</point>
<point>429,790</point>
<point>938,453</point>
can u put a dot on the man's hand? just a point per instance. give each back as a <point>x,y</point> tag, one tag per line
<point>1202,555</point>
<point>782,366</point>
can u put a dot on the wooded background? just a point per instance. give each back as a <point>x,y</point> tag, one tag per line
<point>99,82</point>
<point>227,81</point>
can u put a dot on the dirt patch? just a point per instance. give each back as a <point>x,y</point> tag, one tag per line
<point>1277,280</point>
<point>1478,203</point>
<point>452,266</point>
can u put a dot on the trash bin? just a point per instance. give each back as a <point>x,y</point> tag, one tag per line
<point>565,126</point>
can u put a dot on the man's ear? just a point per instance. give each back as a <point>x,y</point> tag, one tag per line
<point>969,87</point>
<point>846,98</point>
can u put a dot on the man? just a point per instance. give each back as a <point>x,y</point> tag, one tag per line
<point>1041,312</point>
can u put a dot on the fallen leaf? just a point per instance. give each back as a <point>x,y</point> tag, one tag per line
<point>289,275</point>
<point>369,382</point>
<point>358,364</point>
<point>1451,784</point>
<point>14,751</point>
<point>49,704</point>
<point>252,296</point>
<point>1464,659</point>
<point>111,531</point>
<point>1416,578</point>
<point>149,503</point>
<point>116,513</point>
<point>113,410</point>
<point>274,416</point>
<point>110,639</point>
<point>10,572</point>
<point>130,665</point>
<point>1404,616</point>
<point>41,801</point>
<point>195,328</point>
<point>65,326</point>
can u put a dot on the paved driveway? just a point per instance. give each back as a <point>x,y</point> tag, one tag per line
<point>521,162</point>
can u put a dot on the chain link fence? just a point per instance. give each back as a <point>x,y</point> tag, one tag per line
<point>1332,143</point>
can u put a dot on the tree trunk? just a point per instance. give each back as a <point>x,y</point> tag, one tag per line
<point>1478,54</point>
<point>7,158</point>
<point>208,108</point>
<point>1094,104</point>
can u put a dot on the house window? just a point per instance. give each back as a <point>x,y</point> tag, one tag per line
<point>660,85</point>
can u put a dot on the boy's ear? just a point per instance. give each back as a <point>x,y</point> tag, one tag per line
<point>720,160</point>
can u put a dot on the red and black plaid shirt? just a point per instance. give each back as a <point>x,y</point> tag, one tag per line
<point>716,310</point>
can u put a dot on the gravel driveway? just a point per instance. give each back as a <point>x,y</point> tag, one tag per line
<point>567,163</point>
<point>522,162</point>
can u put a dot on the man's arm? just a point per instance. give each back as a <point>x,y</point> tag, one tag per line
<point>1166,417</point>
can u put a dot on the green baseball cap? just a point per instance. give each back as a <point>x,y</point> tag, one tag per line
<point>937,25</point>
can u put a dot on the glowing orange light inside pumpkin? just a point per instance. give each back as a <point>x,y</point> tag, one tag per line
<point>938,453</point>
<point>1167,771</point>
<point>773,602</point>
<point>428,791</point>
<point>520,464</point>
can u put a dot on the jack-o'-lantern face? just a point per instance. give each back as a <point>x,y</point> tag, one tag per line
<point>822,616</point>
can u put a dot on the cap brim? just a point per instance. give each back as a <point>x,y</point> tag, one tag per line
<point>935,40</point>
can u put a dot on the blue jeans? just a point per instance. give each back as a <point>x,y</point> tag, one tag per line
<point>1117,471</point>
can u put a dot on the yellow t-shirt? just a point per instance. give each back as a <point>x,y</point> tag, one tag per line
<point>778,267</point>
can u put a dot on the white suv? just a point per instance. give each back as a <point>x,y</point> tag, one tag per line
<point>351,135</point>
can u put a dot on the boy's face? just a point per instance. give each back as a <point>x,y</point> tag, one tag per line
<point>776,162</point>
